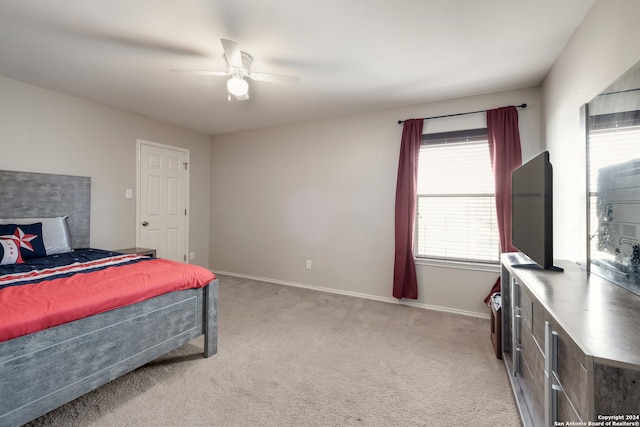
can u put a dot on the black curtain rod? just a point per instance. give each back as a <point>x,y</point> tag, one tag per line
<point>459,114</point>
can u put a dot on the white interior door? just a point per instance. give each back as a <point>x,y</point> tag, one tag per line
<point>163,188</point>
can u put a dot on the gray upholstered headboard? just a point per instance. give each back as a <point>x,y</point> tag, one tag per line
<point>28,194</point>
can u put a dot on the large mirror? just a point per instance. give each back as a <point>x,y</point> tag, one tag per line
<point>613,175</point>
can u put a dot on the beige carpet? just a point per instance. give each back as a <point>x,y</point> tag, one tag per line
<point>296,357</point>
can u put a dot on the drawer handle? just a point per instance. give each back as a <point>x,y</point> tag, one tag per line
<point>550,366</point>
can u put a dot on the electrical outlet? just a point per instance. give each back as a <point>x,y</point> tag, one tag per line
<point>192,255</point>
<point>128,193</point>
<point>308,264</point>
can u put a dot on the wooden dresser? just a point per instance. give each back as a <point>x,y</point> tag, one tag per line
<point>571,346</point>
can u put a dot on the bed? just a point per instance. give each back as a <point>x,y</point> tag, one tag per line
<point>42,369</point>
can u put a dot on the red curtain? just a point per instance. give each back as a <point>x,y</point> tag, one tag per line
<point>504,148</point>
<point>405,283</point>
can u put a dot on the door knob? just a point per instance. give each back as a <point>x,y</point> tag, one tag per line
<point>145,223</point>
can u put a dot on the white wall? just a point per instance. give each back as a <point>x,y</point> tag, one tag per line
<point>45,131</point>
<point>324,190</point>
<point>604,47</point>
<point>320,190</point>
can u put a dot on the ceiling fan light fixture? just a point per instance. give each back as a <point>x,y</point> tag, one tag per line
<point>237,86</point>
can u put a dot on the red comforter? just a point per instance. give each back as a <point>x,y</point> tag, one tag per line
<point>34,307</point>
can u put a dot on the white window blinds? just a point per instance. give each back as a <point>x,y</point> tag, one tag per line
<point>456,216</point>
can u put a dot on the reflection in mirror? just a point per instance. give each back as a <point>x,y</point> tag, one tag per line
<point>613,152</point>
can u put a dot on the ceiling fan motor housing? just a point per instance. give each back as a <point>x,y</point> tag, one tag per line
<point>246,65</point>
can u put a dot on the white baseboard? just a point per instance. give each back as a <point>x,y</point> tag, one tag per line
<point>357,295</point>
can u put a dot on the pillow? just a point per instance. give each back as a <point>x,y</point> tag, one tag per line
<point>8,252</point>
<point>20,242</point>
<point>55,232</point>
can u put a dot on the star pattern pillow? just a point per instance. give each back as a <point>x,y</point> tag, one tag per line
<point>21,242</point>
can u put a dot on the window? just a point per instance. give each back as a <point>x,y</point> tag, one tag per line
<point>456,214</point>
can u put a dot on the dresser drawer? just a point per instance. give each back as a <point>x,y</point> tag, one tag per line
<point>532,376</point>
<point>572,373</point>
<point>566,411</point>
<point>571,370</point>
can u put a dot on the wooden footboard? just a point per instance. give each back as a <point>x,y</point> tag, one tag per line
<point>44,370</point>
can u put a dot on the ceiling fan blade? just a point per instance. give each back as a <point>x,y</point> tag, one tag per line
<point>202,72</point>
<point>232,52</point>
<point>274,78</point>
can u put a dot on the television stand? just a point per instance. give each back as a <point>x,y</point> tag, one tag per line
<point>534,266</point>
<point>519,260</point>
<point>569,344</point>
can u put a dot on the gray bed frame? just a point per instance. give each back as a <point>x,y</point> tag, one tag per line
<point>44,370</point>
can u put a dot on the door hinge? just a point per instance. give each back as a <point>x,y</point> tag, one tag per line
<point>184,257</point>
<point>185,212</point>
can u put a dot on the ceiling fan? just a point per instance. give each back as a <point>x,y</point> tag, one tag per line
<point>239,68</point>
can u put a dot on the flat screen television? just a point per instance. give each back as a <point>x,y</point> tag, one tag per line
<point>532,212</point>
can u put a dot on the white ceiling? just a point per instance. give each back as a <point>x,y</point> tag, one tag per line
<point>351,55</point>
